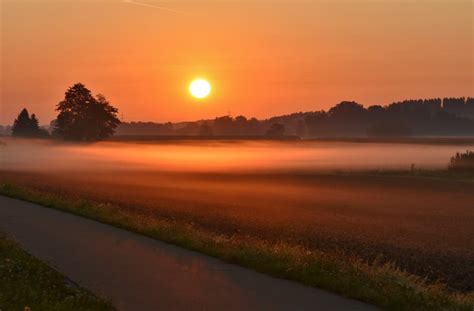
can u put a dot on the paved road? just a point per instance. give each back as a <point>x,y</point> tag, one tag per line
<point>139,273</point>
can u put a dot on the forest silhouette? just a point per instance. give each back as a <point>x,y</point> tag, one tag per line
<point>423,117</point>
<point>83,117</point>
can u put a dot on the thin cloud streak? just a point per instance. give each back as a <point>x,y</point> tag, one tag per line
<point>153,6</point>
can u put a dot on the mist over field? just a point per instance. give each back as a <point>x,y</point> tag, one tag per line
<point>224,156</point>
<point>277,191</point>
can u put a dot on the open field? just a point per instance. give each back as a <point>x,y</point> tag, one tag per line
<point>27,282</point>
<point>384,285</point>
<point>419,221</point>
<point>422,225</point>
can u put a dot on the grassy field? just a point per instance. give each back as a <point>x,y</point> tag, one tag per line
<point>27,282</point>
<point>366,236</point>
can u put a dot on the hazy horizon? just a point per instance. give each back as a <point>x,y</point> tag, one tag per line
<point>46,124</point>
<point>244,156</point>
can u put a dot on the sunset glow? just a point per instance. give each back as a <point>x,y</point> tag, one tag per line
<point>264,60</point>
<point>220,148</point>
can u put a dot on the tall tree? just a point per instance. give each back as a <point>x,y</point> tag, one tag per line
<point>21,125</point>
<point>26,126</point>
<point>84,117</point>
<point>34,122</point>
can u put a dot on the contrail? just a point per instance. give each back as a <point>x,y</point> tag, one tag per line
<point>153,6</point>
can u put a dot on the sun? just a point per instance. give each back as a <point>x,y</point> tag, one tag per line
<point>200,88</point>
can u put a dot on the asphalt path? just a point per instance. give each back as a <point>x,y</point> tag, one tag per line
<point>139,273</point>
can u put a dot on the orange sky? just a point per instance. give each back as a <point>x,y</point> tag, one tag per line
<point>262,57</point>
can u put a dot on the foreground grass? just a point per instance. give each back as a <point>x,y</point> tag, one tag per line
<point>27,282</point>
<point>382,285</point>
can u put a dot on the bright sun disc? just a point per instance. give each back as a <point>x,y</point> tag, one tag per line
<point>199,88</point>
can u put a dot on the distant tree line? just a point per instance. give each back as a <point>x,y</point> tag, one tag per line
<point>83,117</point>
<point>220,126</point>
<point>451,116</point>
<point>433,117</point>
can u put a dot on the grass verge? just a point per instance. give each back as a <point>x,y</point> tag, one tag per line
<point>384,285</point>
<point>27,282</point>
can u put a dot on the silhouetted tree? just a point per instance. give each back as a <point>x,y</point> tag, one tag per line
<point>223,125</point>
<point>376,111</point>
<point>22,125</point>
<point>470,107</point>
<point>276,130</point>
<point>84,117</point>
<point>347,110</point>
<point>433,105</point>
<point>254,127</point>
<point>205,129</point>
<point>145,128</point>
<point>26,126</point>
<point>389,129</point>
<point>240,125</point>
<point>317,124</point>
<point>454,105</point>
<point>189,128</point>
<point>300,129</point>
<point>34,122</point>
